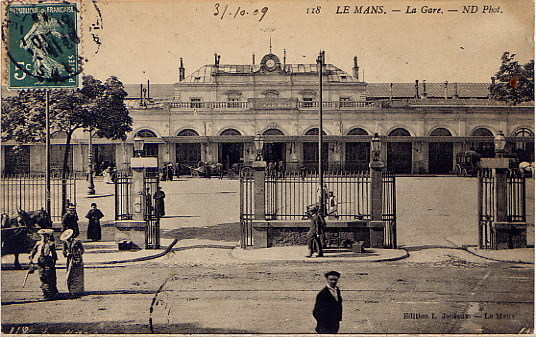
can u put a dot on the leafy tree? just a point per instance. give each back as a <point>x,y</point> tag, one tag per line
<point>514,82</point>
<point>96,105</point>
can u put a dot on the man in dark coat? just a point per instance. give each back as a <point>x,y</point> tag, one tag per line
<point>94,229</point>
<point>316,232</point>
<point>328,305</point>
<point>159,208</point>
<point>70,220</point>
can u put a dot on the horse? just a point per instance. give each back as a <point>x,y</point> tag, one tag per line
<point>18,232</point>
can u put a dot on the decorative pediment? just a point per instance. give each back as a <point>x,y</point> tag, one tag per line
<point>270,93</point>
<point>307,93</point>
<point>233,93</point>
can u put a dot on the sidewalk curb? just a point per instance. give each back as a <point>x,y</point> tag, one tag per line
<point>138,259</point>
<point>493,259</point>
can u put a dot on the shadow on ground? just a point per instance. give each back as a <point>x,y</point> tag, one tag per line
<point>223,232</point>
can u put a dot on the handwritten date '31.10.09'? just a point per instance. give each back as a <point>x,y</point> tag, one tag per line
<point>225,11</point>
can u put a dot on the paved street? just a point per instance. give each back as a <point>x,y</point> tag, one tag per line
<point>207,289</point>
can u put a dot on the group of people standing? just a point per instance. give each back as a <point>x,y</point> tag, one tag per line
<point>43,255</point>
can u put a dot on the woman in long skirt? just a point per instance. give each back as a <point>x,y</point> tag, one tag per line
<point>45,251</point>
<point>73,250</point>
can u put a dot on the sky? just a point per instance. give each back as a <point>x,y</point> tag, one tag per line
<point>141,40</point>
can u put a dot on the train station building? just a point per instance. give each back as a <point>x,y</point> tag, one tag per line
<point>214,114</point>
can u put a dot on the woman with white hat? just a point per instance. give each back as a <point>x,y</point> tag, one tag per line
<point>45,251</point>
<point>73,250</point>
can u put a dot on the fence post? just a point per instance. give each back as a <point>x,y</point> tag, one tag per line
<point>259,211</point>
<point>377,226</point>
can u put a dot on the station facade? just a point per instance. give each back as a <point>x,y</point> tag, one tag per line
<point>214,114</point>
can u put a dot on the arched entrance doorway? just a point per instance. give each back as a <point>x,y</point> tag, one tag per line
<point>399,153</point>
<point>523,145</point>
<point>440,154</point>
<point>486,149</point>
<point>274,152</point>
<point>310,152</point>
<point>149,149</point>
<point>230,153</point>
<point>357,153</point>
<point>188,153</point>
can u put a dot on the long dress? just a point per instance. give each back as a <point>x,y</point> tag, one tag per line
<point>46,266</point>
<point>73,250</point>
<point>94,228</point>
<point>159,203</point>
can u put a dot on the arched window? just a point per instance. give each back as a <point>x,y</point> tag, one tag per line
<point>438,132</point>
<point>399,132</point>
<point>314,132</point>
<point>482,132</point>
<point>357,132</point>
<point>273,132</point>
<point>187,133</point>
<point>145,133</point>
<point>230,132</point>
<point>523,132</point>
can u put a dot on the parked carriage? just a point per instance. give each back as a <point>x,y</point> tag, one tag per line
<point>467,163</point>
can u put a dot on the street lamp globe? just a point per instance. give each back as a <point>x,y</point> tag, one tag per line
<point>376,146</point>
<point>138,145</point>
<point>259,143</point>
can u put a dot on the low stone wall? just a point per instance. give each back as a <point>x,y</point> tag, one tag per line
<point>279,233</point>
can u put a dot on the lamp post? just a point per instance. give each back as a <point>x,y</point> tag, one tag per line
<point>258,141</point>
<point>322,207</point>
<point>91,186</point>
<point>377,226</point>
<point>138,145</point>
<point>500,144</point>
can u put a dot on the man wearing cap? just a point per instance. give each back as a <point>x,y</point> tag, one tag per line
<point>73,250</point>
<point>316,230</point>
<point>70,220</point>
<point>328,305</point>
<point>45,252</point>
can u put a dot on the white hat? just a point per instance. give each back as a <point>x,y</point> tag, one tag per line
<point>46,231</point>
<point>66,234</point>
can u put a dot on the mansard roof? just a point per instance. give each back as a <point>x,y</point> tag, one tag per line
<point>208,73</point>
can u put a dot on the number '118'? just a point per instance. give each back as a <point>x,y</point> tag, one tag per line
<point>315,10</point>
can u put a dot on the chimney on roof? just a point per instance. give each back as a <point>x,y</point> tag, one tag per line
<point>416,88</point>
<point>446,89</point>
<point>356,68</point>
<point>284,59</point>
<point>181,71</point>
<point>455,90</point>
<point>253,56</point>
<point>391,91</point>
<point>493,80</point>
<point>148,89</point>
<point>217,59</point>
<point>424,93</point>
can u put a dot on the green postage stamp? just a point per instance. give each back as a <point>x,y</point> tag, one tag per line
<point>43,46</point>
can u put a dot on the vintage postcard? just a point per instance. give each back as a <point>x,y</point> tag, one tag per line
<point>267,167</point>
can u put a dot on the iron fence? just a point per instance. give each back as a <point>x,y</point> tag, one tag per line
<point>152,235</point>
<point>389,209</point>
<point>28,192</point>
<point>123,195</point>
<point>288,195</point>
<point>246,207</point>
<point>487,207</point>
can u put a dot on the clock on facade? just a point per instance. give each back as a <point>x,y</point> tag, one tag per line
<point>270,62</point>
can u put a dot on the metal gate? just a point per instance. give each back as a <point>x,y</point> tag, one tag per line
<point>27,192</point>
<point>124,204</point>
<point>487,210</point>
<point>288,194</point>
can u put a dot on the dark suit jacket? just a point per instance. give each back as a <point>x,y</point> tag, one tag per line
<point>327,309</point>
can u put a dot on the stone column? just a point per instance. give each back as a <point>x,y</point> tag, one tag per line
<point>377,226</point>
<point>259,209</point>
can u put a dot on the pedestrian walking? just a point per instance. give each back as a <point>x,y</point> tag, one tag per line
<point>164,173</point>
<point>159,208</point>
<point>148,202</point>
<point>70,220</point>
<point>73,250</point>
<point>316,232</point>
<point>45,253</point>
<point>328,305</point>
<point>331,204</point>
<point>170,171</point>
<point>94,228</point>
